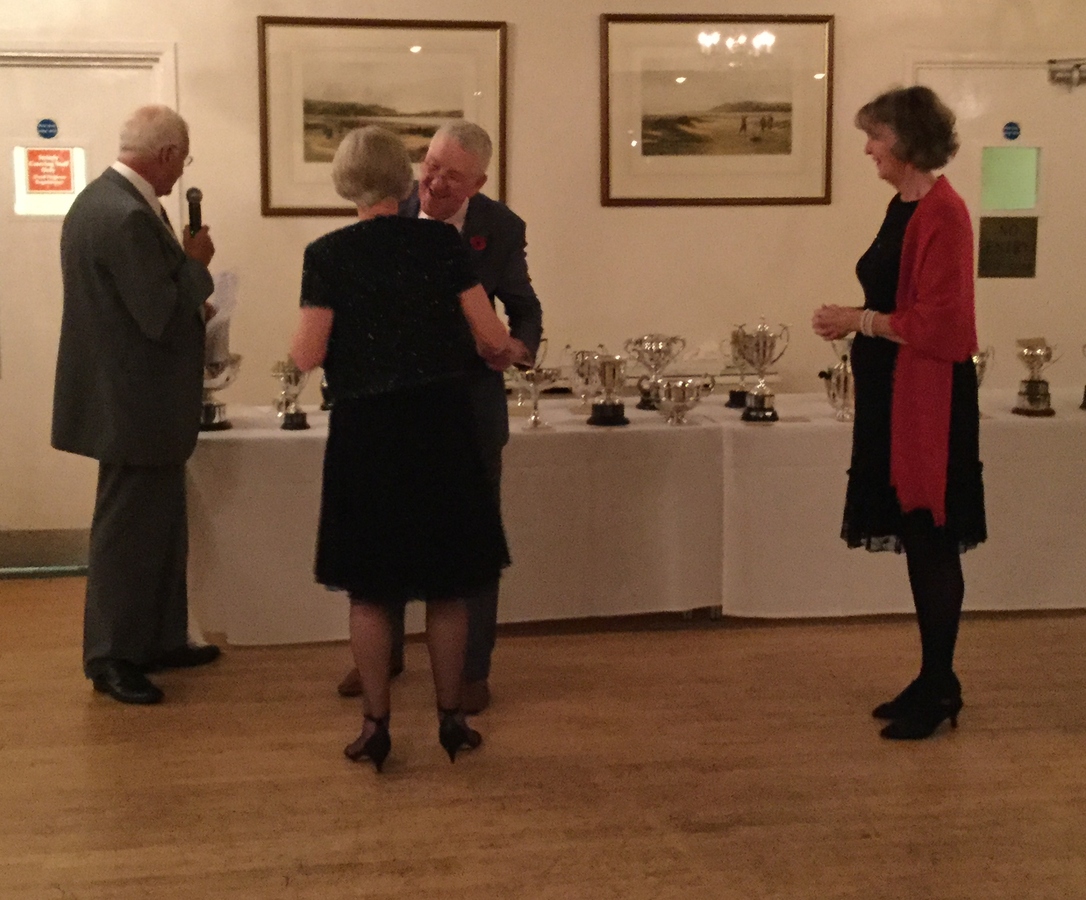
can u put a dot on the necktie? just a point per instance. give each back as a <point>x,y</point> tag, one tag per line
<point>166,220</point>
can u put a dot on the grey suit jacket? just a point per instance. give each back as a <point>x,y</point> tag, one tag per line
<point>129,372</point>
<point>496,242</point>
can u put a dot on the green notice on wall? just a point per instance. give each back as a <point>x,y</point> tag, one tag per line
<point>1008,178</point>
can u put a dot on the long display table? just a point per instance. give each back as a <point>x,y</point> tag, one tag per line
<point>614,521</point>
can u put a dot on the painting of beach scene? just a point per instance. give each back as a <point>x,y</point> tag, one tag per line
<point>716,113</point>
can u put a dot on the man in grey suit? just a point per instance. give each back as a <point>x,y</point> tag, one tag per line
<point>453,173</point>
<point>128,393</point>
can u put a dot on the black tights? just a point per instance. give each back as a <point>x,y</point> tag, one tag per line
<point>935,575</point>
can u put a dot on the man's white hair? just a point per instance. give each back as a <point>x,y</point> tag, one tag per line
<point>150,129</point>
<point>472,138</point>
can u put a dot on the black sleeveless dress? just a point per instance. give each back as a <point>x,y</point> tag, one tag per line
<point>872,517</point>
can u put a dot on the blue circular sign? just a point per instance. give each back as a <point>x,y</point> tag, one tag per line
<point>47,128</point>
<point>1011,131</point>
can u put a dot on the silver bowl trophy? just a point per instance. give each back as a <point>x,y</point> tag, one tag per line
<point>677,396</point>
<point>1034,398</point>
<point>759,349</point>
<point>981,359</point>
<point>840,387</point>
<point>291,381</point>
<point>654,352</point>
<point>611,378</point>
<point>737,397</point>
<point>217,375</point>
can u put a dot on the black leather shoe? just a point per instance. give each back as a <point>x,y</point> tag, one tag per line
<point>186,657</point>
<point>125,683</point>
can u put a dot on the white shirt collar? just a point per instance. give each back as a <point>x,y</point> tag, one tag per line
<point>141,184</point>
<point>456,219</point>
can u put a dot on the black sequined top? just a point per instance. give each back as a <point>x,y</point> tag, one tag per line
<point>394,285</point>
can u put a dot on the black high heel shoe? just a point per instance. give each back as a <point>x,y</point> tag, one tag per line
<point>922,721</point>
<point>454,734</point>
<point>375,748</point>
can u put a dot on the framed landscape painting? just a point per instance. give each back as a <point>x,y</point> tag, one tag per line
<point>706,110</point>
<point>320,78</point>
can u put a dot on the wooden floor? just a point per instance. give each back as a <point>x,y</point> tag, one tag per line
<point>705,760</point>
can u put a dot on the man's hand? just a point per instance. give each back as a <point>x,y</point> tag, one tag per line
<point>513,354</point>
<point>198,246</point>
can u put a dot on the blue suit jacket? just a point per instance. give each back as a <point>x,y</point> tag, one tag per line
<point>495,238</point>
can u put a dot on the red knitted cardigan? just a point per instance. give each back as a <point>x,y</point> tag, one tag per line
<point>936,317</point>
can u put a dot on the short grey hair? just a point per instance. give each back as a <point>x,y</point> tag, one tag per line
<point>371,164</point>
<point>150,129</point>
<point>472,138</point>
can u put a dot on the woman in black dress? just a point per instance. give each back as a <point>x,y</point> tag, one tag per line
<point>915,478</point>
<point>393,311</point>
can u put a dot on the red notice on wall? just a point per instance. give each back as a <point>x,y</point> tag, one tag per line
<point>49,170</point>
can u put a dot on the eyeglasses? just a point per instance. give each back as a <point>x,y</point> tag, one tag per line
<point>188,161</point>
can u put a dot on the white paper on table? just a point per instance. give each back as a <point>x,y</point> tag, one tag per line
<point>224,299</point>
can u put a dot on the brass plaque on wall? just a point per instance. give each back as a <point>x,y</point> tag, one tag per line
<point>1008,247</point>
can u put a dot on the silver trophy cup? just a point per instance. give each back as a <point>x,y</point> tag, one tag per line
<point>840,387</point>
<point>538,380</point>
<point>611,379</point>
<point>654,352</point>
<point>677,396</point>
<point>1034,398</point>
<point>217,375</point>
<point>981,360</point>
<point>759,349</point>
<point>291,381</point>
<point>730,349</point>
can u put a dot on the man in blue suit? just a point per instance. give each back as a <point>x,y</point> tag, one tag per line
<point>128,391</point>
<point>452,174</point>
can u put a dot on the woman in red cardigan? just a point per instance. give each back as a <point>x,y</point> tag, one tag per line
<point>915,478</point>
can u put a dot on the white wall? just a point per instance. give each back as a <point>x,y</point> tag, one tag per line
<point>603,274</point>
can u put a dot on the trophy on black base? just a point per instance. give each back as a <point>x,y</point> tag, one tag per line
<point>611,374</point>
<point>1034,398</point>
<point>291,381</point>
<point>217,375</point>
<point>759,349</point>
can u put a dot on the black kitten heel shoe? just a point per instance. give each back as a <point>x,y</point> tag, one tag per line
<point>454,734</point>
<point>374,748</point>
<point>923,721</point>
<point>912,699</point>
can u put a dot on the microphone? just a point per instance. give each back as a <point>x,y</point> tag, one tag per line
<point>194,196</point>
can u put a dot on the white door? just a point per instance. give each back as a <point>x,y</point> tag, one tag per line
<point>88,96</point>
<point>986,97</point>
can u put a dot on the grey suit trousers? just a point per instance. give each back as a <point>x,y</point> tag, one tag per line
<point>137,598</point>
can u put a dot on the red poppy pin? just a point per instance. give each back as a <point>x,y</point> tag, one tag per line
<point>478,242</point>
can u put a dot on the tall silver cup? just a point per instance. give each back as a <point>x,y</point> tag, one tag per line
<point>291,381</point>
<point>759,349</point>
<point>1034,398</point>
<point>610,374</point>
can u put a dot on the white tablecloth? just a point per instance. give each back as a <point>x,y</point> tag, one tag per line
<point>646,518</point>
